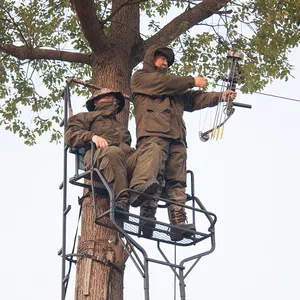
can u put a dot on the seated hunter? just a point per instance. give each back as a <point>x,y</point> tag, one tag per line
<point>119,163</point>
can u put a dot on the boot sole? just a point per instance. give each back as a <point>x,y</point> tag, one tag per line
<point>181,234</point>
<point>149,190</point>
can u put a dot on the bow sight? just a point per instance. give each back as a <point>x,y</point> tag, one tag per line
<point>229,82</point>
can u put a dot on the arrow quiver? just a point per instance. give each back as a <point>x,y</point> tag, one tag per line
<point>225,109</point>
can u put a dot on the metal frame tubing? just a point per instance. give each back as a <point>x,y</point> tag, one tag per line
<point>66,208</point>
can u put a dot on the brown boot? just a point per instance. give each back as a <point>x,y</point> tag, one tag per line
<point>177,216</point>
<point>150,188</point>
<point>122,206</point>
<point>148,210</point>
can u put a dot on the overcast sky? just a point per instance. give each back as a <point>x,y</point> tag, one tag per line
<point>249,179</point>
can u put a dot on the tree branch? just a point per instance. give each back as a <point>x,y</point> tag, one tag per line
<point>185,21</point>
<point>23,52</point>
<point>91,25</point>
<point>119,8</point>
<point>90,85</point>
<point>3,57</point>
<point>16,25</point>
<point>223,12</point>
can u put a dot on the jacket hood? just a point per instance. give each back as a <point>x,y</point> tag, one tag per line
<point>148,63</point>
<point>102,92</point>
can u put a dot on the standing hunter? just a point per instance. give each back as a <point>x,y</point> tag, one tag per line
<point>159,102</point>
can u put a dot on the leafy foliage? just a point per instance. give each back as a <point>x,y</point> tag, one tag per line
<point>265,36</point>
<point>30,90</point>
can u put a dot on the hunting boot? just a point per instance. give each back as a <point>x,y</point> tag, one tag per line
<point>148,210</point>
<point>150,188</point>
<point>177,216</point>
<point>122,205</point>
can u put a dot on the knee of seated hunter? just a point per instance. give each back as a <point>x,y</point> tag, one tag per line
<point>113,151</point>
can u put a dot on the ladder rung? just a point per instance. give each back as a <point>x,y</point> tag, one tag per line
<point>65,279</point>
<point>59,252</point>
<point>61,185</point>
<point>67,209</point>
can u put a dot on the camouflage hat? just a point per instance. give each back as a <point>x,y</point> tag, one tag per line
<point>167,52</point>
<point>102,92</point>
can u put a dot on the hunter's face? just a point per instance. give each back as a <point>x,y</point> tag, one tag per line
<point>161,61</point>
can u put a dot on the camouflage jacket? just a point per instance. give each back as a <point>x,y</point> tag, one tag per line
<point>159,100</point>
<point>102,122</point>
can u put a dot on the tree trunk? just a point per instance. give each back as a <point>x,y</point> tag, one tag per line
<point>96,280</point>
<point>113,70</point>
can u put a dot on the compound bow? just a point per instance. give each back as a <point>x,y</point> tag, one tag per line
<point>230,81</point>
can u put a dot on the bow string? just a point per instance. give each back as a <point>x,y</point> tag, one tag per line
<point>225,108</point>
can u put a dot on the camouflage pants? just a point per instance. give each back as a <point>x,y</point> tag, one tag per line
<point>172,168</point>
<point>120,168</point>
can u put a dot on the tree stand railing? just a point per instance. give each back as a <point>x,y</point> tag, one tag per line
<point>131,227</point>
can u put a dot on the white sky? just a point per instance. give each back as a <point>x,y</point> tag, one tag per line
<point>249,179</point>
